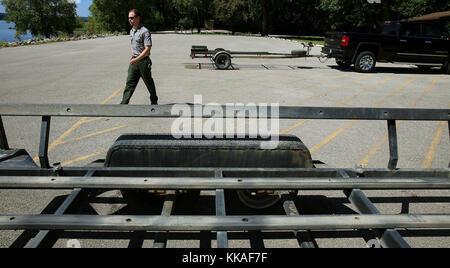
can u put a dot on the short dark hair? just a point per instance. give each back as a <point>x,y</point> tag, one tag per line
<point>136,12</point>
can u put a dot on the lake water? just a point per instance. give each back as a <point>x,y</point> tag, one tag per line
<point>7,34</point>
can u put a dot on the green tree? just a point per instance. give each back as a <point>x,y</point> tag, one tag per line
<point>110,15</point>
<point>351,14</point>
<point>402,9</point>
<point>296,17</point>
<point>356,14</point>
<point>232,14</point>
<point>41,17</point>
<point>192,12</point>
<point>260,11</point>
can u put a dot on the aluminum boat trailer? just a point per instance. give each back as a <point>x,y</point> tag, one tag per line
<point>222,57</point>
<point>124,169</point>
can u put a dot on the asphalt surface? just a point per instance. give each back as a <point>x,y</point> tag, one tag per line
<point>94,72</point>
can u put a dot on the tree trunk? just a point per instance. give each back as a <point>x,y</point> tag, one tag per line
<point>265,18</point>
<point>199,23</point>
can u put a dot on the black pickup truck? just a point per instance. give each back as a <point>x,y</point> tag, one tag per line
<point>424,44</point>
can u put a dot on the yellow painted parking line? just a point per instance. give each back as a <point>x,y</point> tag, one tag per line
<point>366,89</point>
<point>243,86</point>
<point>63,136</point>
<point>395,92</point>
<point>323,83</point>
<point>429,158</point>
<point>99,132</point>
<point>288,129</point>
<point>377,147</point>
<point>81,158</point>
<point>93,119</point>
<point>373,151</point>
<point>296,81</point>
<point>348,125</point>
<point>426,92</point>
<point>332,136</point>
<point>113,95</point>
<point>58,141</point>
<point>284,131</point>
<point>334,89</point>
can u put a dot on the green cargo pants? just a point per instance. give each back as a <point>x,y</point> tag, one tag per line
<point>142,69</point>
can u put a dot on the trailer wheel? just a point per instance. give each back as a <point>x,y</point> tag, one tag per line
<point>222,61</point>
<point>256,201</point>
<point>365,62</point>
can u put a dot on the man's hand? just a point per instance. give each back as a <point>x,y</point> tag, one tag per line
<point>144,54</point>
<point>134,61</point>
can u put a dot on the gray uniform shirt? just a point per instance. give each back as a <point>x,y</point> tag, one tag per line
<point>140,38</point>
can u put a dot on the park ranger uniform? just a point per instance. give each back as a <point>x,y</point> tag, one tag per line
<point>140,38</point>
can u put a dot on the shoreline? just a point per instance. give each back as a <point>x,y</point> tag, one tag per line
<point>30,42</point>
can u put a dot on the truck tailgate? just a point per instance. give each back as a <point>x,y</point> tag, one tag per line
<point>333,39</point>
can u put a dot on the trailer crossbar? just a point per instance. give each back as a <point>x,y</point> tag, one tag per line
<point>221,223</point>
<point>181,183</point>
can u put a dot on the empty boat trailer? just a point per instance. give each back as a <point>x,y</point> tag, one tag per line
<point>239,173</point>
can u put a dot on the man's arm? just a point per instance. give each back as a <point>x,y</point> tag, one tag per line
<point>144,54</point>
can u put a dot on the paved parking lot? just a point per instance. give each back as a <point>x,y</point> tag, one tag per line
<point>94,72</point>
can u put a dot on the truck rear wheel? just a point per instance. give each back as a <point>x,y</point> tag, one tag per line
<point>365,62</point>
<point>446,68</point>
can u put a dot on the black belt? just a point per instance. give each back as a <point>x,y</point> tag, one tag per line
<point>146,58</point>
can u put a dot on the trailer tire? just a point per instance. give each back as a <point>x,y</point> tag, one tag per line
<point>222,61</point>
<point>137,150</point>
<point>365,62</point>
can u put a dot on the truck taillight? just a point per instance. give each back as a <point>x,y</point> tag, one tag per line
<point>344,41</point>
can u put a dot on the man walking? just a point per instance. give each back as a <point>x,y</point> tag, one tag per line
<point>140,63</point>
